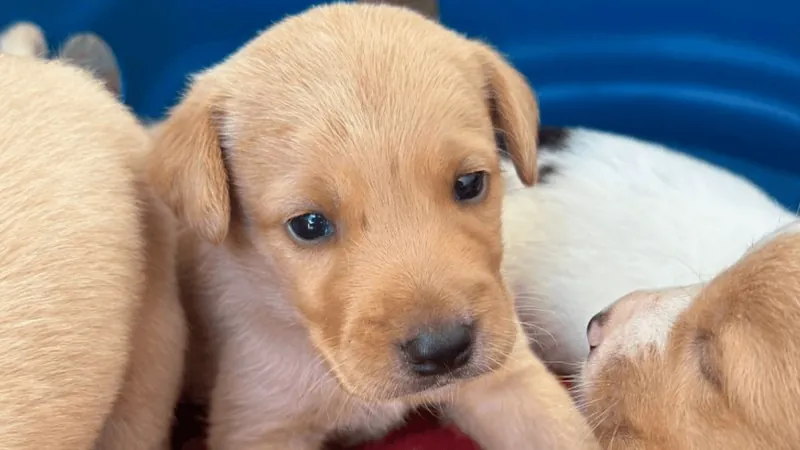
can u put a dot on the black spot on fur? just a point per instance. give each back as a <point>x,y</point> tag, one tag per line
<point>552,139</point>
<point>545,173</point>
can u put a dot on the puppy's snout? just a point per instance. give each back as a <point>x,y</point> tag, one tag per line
<point>440,350</point>
<point>594,331</point>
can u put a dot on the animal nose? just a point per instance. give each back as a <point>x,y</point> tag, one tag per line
<point>594,331</point>
<point>440,350</point>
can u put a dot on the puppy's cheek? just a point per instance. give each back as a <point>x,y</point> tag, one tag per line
<point>497,327</point>
<point>369,368</point>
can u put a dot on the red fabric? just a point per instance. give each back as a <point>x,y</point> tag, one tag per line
<point>424,433</point>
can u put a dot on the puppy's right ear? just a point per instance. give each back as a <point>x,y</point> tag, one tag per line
<point>186,166</point>
<point>90,52</point>
<point>514,111</point>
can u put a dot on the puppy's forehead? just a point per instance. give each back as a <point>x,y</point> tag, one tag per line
<point>646,319</point>
<point>357,66</point>
<point>356,92</point>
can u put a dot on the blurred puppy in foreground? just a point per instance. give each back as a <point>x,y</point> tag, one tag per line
<point>92,331</point>
<point>707,366</point>
<point>340,183</point>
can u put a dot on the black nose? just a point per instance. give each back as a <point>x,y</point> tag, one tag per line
<point>439,350</point>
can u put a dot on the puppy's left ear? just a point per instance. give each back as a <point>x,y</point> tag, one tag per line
<point>514,110</point>
<point>186,166</point>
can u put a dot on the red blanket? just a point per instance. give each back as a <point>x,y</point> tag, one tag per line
<point>421,433</point>
<point>424,433</point>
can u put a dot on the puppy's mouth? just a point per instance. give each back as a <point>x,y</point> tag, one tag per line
<point>421,385</point>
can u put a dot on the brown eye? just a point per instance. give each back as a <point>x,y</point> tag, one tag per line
<point>470,186</point>
<point>310,227</point>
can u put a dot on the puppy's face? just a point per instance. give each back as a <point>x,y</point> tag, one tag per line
<point>352,149</point>
<point>703,367</point>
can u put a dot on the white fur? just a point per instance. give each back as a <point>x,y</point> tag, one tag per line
<point>620,215</point>
<point>652,327</point>
<point>640,321</point>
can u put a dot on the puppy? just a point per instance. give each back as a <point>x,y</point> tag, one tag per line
<point>707,366</point>
<point>339,181</point>
<point>610,215</point>
<point>154,331</point>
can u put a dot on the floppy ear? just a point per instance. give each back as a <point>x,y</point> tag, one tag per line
<point>23,39</point>
<point>186,166</point>
<point>428,8</point>
<point>515,112</point>
<point>90,52</point>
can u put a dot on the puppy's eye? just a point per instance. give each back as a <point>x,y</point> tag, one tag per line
<point>470,186</point>
<point>310,227</point>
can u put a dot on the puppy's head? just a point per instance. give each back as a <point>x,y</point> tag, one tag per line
<point>352,150</point>
<point>714,366</point>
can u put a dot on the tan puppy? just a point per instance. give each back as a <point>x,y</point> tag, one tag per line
<point>340,179</point>
<point>703,367</point>
<point>135,322</point>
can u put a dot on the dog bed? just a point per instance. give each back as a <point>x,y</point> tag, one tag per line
<point>718,80</point>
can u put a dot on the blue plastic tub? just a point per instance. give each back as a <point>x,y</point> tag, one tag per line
<point>720,80</point>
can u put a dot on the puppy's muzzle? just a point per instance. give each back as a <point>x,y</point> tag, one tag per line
<point>439,350</point>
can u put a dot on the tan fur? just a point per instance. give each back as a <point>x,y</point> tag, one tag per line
<point>72,259</point>
<point>728,377</point>
<point>87,131</point>
<point>371,124</point>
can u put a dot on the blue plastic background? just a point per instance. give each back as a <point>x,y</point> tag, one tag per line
<point>718,79</point>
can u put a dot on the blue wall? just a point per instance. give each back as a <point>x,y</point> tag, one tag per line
<point>719,79</point>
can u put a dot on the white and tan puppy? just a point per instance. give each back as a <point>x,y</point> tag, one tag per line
<point>94,331</point>
<point>341,187</point>
<point>707,366</point>
<point>610,215</point>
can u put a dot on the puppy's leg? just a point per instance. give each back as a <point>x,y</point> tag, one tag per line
<point>143,414</point>
<point>233,425</point>
<point>521,406</point>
